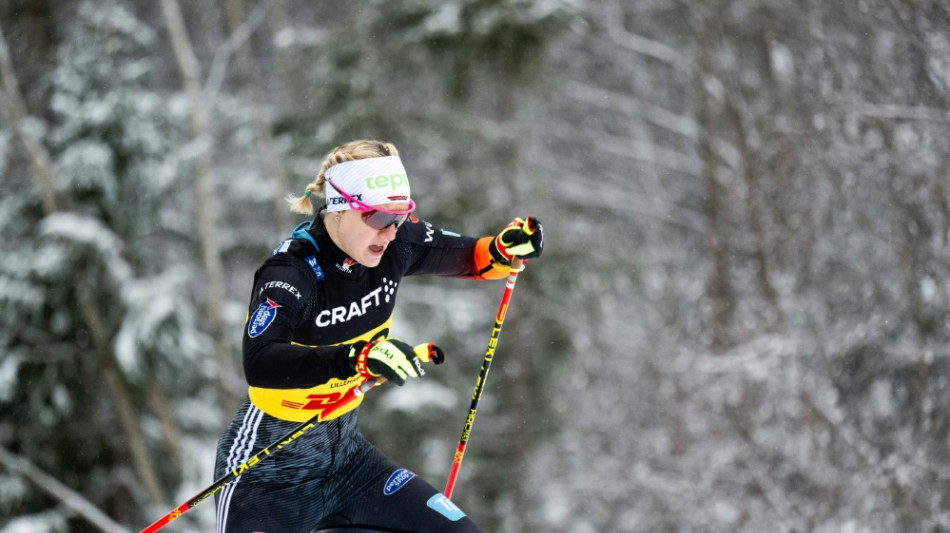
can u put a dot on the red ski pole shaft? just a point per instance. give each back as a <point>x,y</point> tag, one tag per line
<point>291,436</point>
<point>516,266</point>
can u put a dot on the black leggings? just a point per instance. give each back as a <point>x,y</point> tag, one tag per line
<point>330,477</point>
<point>399,502</point>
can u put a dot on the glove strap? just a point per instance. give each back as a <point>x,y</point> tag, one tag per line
<point>361,362</point>
<point>499,250</point>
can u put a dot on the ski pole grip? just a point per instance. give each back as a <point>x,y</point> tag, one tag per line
<point>517,264</point>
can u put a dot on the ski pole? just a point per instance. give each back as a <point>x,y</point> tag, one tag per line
<point>291,436</point>
<point>516,266</point>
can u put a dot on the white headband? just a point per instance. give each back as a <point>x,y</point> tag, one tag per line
<point>373,181</point>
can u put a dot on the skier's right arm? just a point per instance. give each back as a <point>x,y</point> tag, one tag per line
<point>283,296</point>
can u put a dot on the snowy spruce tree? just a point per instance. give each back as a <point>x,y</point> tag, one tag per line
<point>101,322</point>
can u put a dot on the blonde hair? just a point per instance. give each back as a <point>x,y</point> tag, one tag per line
<point>351,151</point>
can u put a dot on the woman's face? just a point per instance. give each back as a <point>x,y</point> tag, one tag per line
<point>363,244</point>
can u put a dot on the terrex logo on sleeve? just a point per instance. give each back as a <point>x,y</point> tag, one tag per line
<point>280,285</point>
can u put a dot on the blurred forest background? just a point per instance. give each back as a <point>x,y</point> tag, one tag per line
<point>740,322</point>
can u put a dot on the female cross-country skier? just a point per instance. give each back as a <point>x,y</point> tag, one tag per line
<point>319,325</point>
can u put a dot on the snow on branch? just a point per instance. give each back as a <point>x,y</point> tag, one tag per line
<point>637,43</point>
<point>618,101</point>
<point>52,486</point>
<point>89,232</point>
<point>900,112</point>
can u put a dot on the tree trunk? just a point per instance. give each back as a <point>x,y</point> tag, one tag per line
<point>750,172</point>
<point>44,175</point>
<point>288,94</point>
<point>50,485</point>
<point>134,440</point>
<point>14,113</point>
<point>271,164</point>
<point>719,289</point>
<point>170,432</point>
<point>206,203</point>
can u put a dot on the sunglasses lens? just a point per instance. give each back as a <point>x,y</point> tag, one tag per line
<point>380,221</point>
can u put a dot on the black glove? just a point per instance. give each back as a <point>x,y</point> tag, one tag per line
<point>393,359</point>
<point>522,238</point>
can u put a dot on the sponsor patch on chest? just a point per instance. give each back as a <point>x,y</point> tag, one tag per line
<point>379,296</point>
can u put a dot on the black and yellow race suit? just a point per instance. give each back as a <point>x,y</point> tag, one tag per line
<point>310,302</point>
